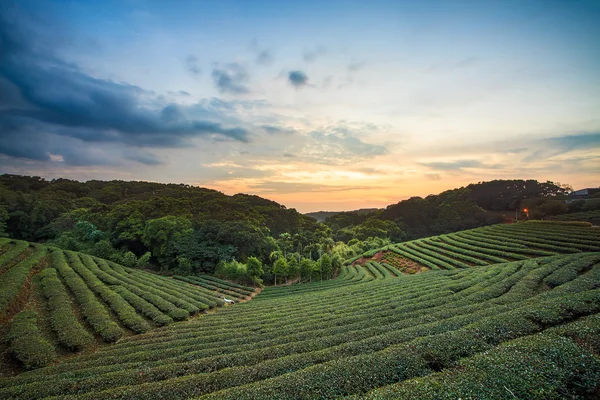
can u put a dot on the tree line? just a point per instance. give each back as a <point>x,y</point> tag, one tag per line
<point>183,229</point>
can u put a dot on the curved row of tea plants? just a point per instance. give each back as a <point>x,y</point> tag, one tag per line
<point>580,216</point>
<point>495,244</point>
<point>85,299</point>
<point>348,337</point>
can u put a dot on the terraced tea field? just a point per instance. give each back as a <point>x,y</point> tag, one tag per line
<point>490,245</point>
<point>80,300</point>
<point>526,327</point>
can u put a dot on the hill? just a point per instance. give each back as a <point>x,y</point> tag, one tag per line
<point>321,216</point>
<point>63,301</point>
<point>490,245</point>
<point>171,222</point>
<point>526,327</point>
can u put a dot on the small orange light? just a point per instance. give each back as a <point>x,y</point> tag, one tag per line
<point>526,210</point>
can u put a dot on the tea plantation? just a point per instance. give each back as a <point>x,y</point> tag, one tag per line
<point>80,300</point>
<point>503,312</point>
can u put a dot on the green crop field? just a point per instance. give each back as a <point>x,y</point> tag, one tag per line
<point>580,216</point>
<point>81,300</point>
<point>490,245</point>
<point>503,312</point>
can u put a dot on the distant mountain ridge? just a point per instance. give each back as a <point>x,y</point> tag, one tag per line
<point>321,216</point>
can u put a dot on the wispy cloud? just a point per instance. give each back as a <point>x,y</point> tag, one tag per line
<point>555,146</point>
<point>265,57</point>
<point>192,65</point>
<point>356,66</point>
<point>231,78</point>
<point>293,187</point>
<point>315,53</point>
<point>459,165</point>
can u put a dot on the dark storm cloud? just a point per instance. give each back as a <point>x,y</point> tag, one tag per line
<point>298,79</point>
<point>231,78</point>
<point>44,97</point>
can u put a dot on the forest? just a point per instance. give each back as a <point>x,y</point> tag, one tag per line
<point>183,229</point>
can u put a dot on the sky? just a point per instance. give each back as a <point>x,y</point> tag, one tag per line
<point>334,105</point>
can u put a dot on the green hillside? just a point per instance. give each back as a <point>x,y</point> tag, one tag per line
<point>526,327</point>
<point>489,245</point>
<point>63,301</point>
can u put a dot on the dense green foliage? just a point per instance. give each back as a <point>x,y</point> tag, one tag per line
<point>179,228</point>
<point>186,230</point>
<point>475,205</point>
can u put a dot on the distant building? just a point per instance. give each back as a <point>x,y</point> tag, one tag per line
<point>584,194</point>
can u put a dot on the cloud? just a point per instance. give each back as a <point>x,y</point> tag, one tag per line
<point>312,55</point>
<point>458,165</point>
<point>226,171</point>
<point>191,64</point>
<point>543,149</point>
<point>144,158</point>
<point>298,187</point>
<point>565,144</point>
<point>277,130</point>
<point>433,177</point>
<point>298,79</point>
<point>46,148</point>
<point>54,103</point>
<point>231,78</point>
<point>328,148</point>
<point>356,66</point>
<point>449,65</point>
<point>265,57</point>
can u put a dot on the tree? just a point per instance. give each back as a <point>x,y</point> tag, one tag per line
<point>326,266</point>
<point>85,231</point>
<point>144,261</point>
<point>232,270</point>
<point>293,266</point>
<point>285,243</point>
<point>129,259</point>
<point>280,268</point>
<point>254,269</point>
<point>306,268</point>
<point>541,207</point>
<point>3,218</point>
<point>103,249</point>
<point>160,231</point>
<point>184,266</point>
